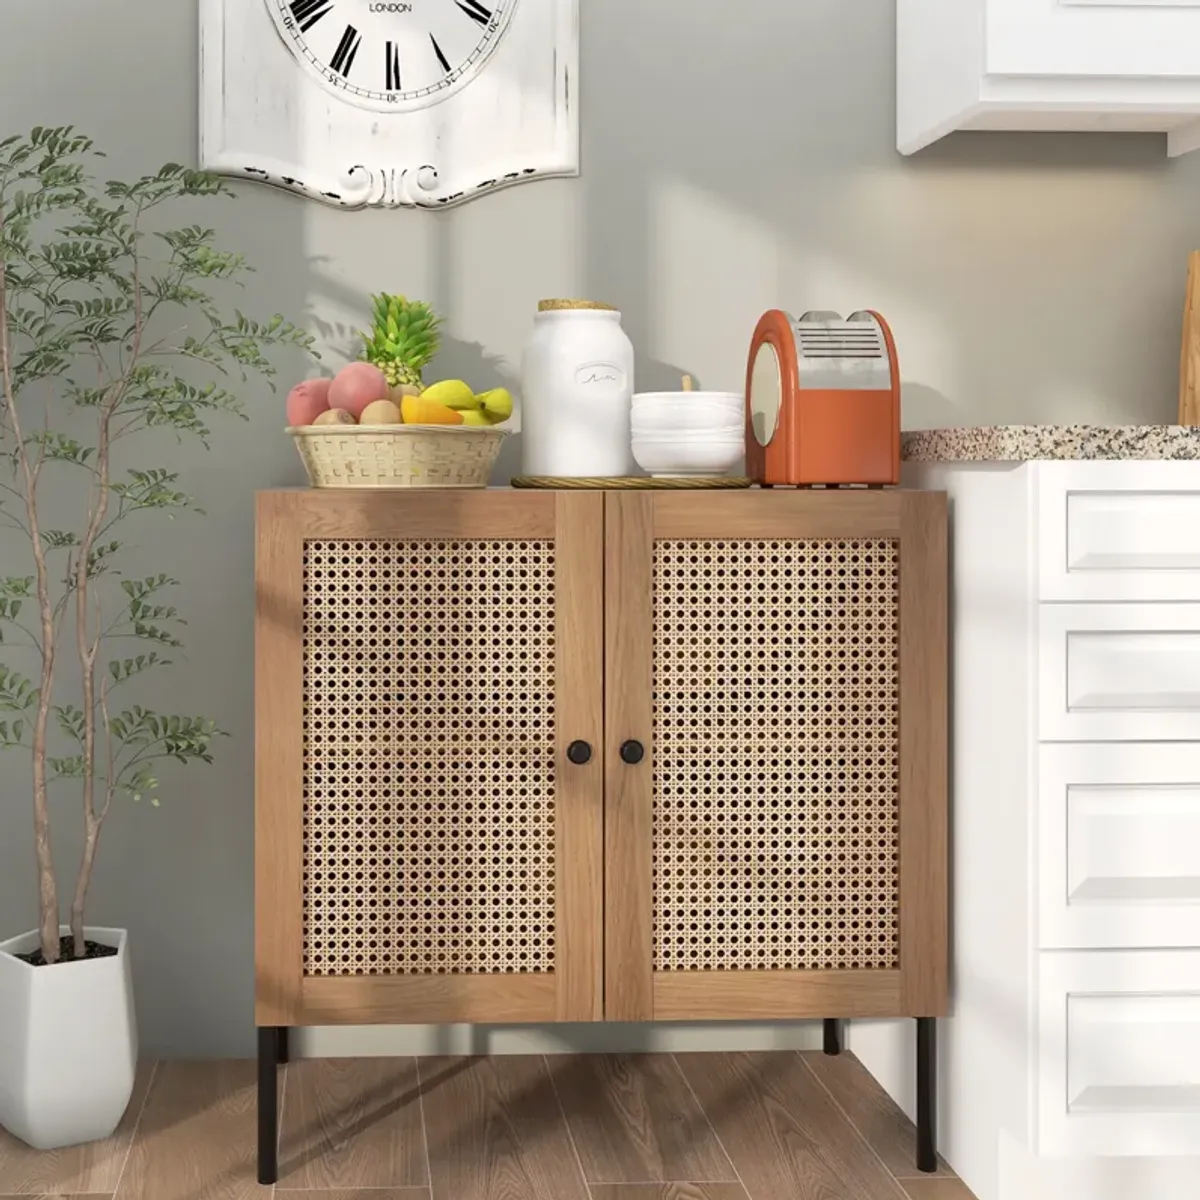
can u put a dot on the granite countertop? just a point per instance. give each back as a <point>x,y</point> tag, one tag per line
<point>1021,443</point>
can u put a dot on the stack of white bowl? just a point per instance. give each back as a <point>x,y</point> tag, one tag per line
<point>688,433</point>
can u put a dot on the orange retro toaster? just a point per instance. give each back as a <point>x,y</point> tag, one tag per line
<point>823,401</point>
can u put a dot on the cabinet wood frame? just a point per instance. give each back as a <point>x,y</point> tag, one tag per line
<point>604,808</point>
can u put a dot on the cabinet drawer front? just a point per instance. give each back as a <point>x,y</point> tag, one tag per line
<point>1065,37</point>
<point>1119,531</point>
<point>1119,845</point>
<point>1119,672</point>
<point>1119,1053</point>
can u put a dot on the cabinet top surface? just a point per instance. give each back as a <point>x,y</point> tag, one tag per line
<point>737,495</point>
<point>1024,443</point>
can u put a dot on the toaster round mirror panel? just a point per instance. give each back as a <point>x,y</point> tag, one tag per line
<point>766,394</point>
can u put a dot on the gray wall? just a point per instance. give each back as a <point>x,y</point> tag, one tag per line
<point>736,157</point>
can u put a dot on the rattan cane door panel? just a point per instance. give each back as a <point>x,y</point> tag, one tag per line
<point>449,853</point>
<point>776,755</point>
<point>770,856</point>
<point>429,805</point>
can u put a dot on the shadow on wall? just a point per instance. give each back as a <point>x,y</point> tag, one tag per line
<point>1007,264</point>
<point>184,872</point>
<point>457,359</point>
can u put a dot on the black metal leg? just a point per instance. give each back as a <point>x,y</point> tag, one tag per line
<point>268,1104</point>
<point>284,1043</point>
<point>833,1036</point>
<point>926,1094</point>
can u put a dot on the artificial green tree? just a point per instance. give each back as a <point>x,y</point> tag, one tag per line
<point>112,333</point>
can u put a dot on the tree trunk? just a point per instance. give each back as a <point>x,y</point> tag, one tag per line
<point>84,879</point>
<point>87,649</point>
<point>47,886</point>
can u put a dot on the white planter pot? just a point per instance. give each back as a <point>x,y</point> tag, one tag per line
<point>68,1043</point>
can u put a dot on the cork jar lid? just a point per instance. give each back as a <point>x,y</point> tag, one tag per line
<point>574,305</point>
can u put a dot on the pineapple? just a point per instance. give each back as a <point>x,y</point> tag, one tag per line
<point>403,338</point>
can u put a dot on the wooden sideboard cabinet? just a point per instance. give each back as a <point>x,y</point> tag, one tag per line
<point>579,756</point>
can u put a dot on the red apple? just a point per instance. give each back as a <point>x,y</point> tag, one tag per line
<point>307,401</point>
<point>357,385</point>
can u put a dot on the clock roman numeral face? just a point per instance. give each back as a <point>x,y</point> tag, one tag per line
<point>392,55</point>
<point>391,68</point>
<point>475,11</point>
<point>308,12</point>
<point>347,48</point>
<point>443,61</point>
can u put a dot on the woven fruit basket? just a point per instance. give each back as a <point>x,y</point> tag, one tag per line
<point>398,456</point>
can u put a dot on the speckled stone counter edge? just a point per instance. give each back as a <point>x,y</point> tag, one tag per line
<point>1023,443</point>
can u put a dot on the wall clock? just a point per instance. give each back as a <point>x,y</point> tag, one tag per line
<point>389,103</point>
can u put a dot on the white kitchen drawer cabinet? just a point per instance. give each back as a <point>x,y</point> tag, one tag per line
<point>1048,65</point>
<point>1118,531</point>
<point>1074,1028</point>
<point>1119,845</point>
<point>1119,1052</point>
<point>1119,672</point>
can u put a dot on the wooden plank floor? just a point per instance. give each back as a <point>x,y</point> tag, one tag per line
<point>613,1127</point>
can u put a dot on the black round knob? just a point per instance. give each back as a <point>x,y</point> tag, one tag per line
<point>579,753</point>
<point>632,752</point>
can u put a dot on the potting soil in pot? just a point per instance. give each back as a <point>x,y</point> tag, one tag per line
<point>35,958</point>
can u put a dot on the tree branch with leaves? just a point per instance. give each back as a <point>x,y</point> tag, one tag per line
<point>111,330</point>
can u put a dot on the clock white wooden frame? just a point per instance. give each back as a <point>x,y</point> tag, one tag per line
<point>370,103</point>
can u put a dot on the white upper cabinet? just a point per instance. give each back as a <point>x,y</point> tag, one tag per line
<point>1086,39</point>
<point>1062,65</point>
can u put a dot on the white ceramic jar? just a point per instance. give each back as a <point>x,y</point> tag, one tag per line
<point>577,390</point>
